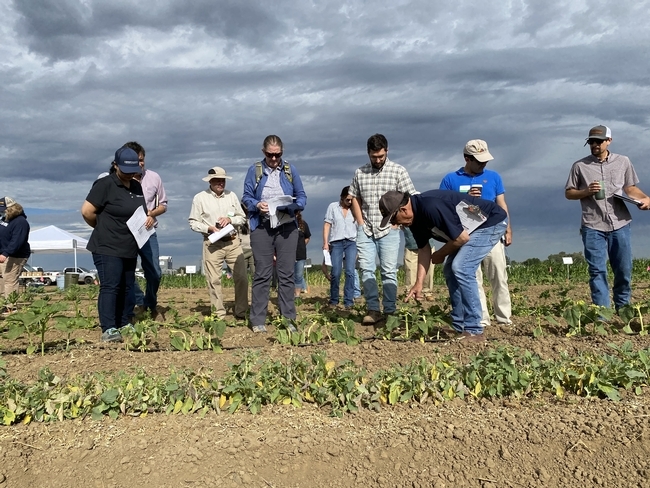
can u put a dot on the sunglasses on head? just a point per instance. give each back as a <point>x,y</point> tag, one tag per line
<point>598,142</point>
<point>273,155</point>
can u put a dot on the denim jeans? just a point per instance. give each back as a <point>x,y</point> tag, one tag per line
<point>150,260</point>
<point>299,275</point>
<point>357,284</point>
<point>386,248</point>
<point>460,273</point>
<point>338,249</point>
<point>116,279</point>
<point>617,245</point>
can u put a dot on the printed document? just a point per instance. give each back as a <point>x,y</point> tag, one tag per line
<point>279,218</point>
<point>223,232</point>
<point>137,227</point>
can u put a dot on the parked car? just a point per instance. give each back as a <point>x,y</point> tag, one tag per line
<point>85,276</point>
<point>34,276</point>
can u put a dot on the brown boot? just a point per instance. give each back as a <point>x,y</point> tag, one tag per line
<point>373,317</point>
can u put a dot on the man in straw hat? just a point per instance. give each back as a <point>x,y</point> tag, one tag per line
<point>437,214</point>
<point>212,210</point>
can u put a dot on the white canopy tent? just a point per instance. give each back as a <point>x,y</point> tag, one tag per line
<point>51,239</point>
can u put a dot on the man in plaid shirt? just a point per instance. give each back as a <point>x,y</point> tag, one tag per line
<point>370,182</point>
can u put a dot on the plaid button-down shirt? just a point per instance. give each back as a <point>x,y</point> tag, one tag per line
<point>369,184</point>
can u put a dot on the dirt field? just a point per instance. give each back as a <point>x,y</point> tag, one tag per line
<point>463,443</point>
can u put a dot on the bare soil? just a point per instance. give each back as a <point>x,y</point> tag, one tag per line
<point>508,443</point>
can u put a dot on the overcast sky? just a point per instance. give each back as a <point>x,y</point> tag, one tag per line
<point>201,83</point>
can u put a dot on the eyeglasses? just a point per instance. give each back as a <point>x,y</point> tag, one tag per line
<point>348,200</point>
<point>273,155</point>
<point>598,142</point>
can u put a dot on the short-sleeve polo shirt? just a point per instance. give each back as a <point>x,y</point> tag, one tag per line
<point>115,205</point>
<point>437,208</point>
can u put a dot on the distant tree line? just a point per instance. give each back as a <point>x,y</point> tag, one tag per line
<point>553,259</point>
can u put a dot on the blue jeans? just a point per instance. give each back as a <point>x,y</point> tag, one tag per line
<point>386,248</point>
<point>115,300</point>
<point>357,285</point>
<point>299,275</point>
<point>460,274</point>
<point>150,260</point>
<point>338,249</point>
<point>617,245</point>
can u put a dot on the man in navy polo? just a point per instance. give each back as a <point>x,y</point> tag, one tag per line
<point>477,181</point>
<point>436,214</point>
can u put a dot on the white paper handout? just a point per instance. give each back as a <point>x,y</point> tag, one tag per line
<point>327,257</point>
<point>215,236</point>
<point>470,216</point>
<point>137,227</point>
<point>279,218</point>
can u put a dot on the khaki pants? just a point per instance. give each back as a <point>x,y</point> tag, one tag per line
<point>411,271</point>
<point>9,272</point>
<point>214,256</point>
<point>495,269</point>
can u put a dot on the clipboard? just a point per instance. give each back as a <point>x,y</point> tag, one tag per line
<point>627,199</point>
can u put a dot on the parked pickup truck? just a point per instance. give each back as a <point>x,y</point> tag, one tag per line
<point>32,276</point>
<point>85,276</point>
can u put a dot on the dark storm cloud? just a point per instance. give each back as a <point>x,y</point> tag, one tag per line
<point>68,29</point>
<point>201,83</point>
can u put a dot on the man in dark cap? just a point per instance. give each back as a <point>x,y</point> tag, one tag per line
<point>469,226</point>
<point>598,181</point>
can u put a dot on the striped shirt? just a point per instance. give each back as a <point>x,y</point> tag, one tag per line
<point>369,184</point>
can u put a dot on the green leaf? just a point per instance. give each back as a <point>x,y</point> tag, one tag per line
<point>635,374</point>
<point>219,328</point>
<point>15,332</point>
<point>187,406</point>
<point>612,393</point>
<point>97,413</point>
<point>109,396</point>
<point>395,391</point>
<point>627,329</point>
<point>177,343</point>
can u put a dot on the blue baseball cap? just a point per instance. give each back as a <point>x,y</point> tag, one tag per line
<point>127,160</point>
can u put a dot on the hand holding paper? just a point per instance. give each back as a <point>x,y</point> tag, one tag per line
<point>136,225</point>
<point>215,236</point>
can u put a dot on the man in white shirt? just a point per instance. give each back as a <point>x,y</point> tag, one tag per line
<point>213,209</point>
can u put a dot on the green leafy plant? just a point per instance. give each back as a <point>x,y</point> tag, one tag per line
<point>34,321</point>
<point>631,312</point>
<point>143,333</point>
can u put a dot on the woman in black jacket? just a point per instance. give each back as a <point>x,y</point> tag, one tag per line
<point>14,246</point>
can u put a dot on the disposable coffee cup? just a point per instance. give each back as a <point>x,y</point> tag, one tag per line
<point>601,193</point>
<point>479,186</point>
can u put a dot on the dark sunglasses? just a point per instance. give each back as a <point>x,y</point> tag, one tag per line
<point>348,200</point>
<point>598,142</point>
<point>273,155</point>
